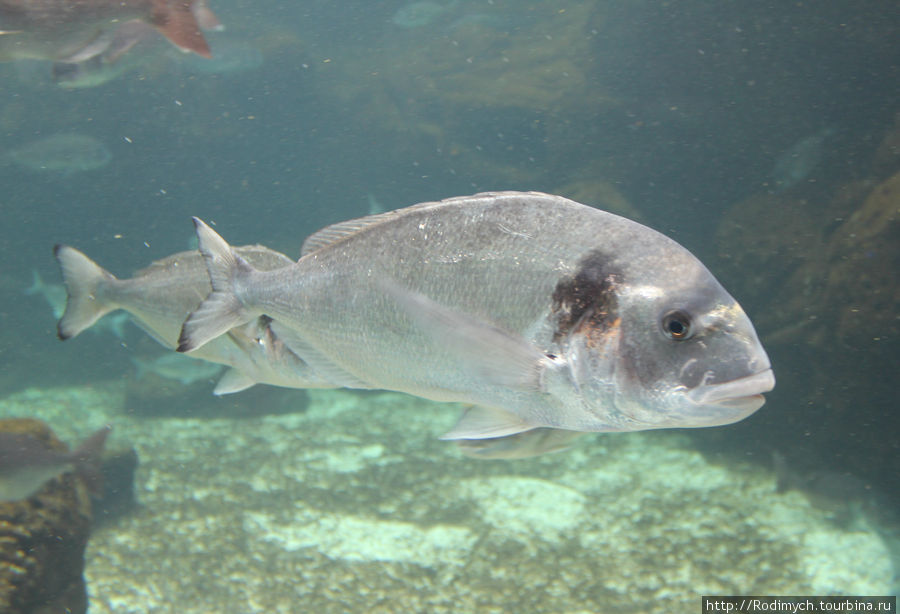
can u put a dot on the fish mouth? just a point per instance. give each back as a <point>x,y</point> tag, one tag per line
<point>743,394</point>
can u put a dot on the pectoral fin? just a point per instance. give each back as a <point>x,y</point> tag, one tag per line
<point>499,356</point>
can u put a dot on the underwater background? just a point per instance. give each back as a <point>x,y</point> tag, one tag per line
<point>765,138</point>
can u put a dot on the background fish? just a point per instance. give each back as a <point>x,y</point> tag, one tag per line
<point>537,310</point>
<point>27,463</point>
<point>55,296</point>
<point>796,163</point>
<point>133,45</point>
<point>65,153</point>
<point>177,367</point>
<point>161,296</point>
<point>62,30</point>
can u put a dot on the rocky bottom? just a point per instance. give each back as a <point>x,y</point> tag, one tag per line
<point>354,506</point>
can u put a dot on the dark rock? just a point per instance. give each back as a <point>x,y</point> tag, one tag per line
<point>42,539</point>
<point>116,497</point>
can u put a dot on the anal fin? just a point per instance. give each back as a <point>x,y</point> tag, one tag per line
<point>233,381</point>
<point>521,445</point>
<point>487,422</point>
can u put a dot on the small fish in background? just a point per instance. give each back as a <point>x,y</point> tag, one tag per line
<point>67,31</point>
<point>177,367</point>
<point>63,154</point>
<point>27,463</point>
<point>375,207</point>
<point>134,44</point>
<point>535,310</point>
<point>159,297</point>
<point>796,164</point>
<point>422,13</point>
<point>55,295</point>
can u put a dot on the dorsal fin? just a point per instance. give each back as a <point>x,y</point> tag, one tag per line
<point>336,232</point>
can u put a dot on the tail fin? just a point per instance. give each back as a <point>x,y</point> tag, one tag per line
<point>141,367</point>
<point>116,324</point>
<point>37,284</point>
<point>222,309</point>
<point>176,20</point>
<point>82,277</point>
<point>87,459</point>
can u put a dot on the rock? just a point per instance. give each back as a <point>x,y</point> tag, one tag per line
<point>117,496</point>
<point>42,539</point>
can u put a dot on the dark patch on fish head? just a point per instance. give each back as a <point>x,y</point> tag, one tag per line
<point>654,339</point>
<point>585,302</point>
<point>685,349</point>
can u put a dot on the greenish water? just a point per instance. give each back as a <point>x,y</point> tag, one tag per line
<point>764,139</point>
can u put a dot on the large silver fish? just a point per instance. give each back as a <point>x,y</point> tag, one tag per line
<point>159,298</point>
<point>538,310</point>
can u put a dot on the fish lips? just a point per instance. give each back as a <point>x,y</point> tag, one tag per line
<point>733,400</point>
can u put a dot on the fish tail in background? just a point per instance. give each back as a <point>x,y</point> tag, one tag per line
<point>176,20</point>
<point>82,277</point>
<point>37,284</point>
<point>87,459</point>
<point>117,324</point>
<point>141,368</point>
<point>222,309</point>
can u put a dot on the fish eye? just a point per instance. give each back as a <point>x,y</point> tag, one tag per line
<point>676,325</point>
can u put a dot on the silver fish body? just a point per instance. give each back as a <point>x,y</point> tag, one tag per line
<point>159,298</point>
<point>538,310</point>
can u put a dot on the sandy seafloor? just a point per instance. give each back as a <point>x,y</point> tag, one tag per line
<point>354,506</point>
